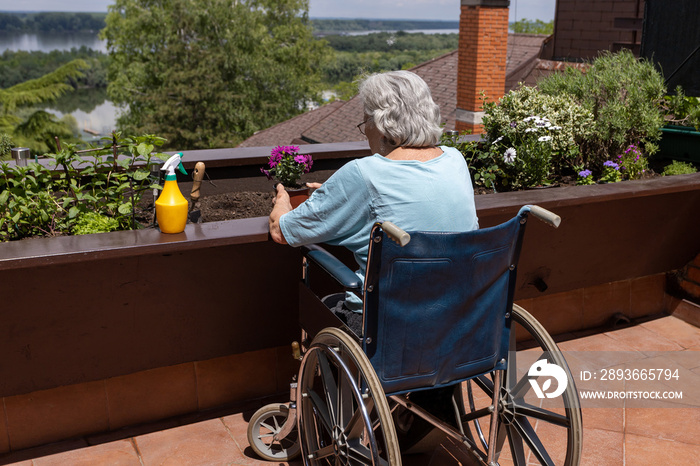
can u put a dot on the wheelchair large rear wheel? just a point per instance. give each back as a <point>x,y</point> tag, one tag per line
<point>343,414</point>
<point>531,429</point>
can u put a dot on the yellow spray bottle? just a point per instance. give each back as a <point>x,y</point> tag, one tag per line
<point>171,206</point>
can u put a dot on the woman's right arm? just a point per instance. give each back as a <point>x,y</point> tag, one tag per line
<point>282,206</point>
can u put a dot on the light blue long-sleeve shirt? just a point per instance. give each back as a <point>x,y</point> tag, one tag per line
<point>436,195</point>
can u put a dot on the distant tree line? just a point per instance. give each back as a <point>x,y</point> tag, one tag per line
<point>382,51</point>
<point>358,25</point>
<point>52,22</point>
<point>527,26</point>
<point>21,66</point>
<point>388,42</point>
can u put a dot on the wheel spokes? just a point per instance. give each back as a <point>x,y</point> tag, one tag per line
<point>542,414</point>
<point>345,425</point>
<point>323,452</point>
<point>322,410</point>
<point>528,434</point>
<point>517,451</point>
<point>330,386</point>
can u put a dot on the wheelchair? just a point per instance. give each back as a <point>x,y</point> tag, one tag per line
<point>442,353</point>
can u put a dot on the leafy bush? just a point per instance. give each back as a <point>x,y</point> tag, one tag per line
<point>611,172</point>
<point>533,136</point>
<point>34,201</point>
<point>483,170</point>
<point>92,222</point>
<point>632,163</point>
<point>678,168</point>
<point>682,110</point>
<point>623,95</point>
<point>537,26</point>
<point>6,144</point>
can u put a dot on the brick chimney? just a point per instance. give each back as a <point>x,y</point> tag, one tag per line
<point>483,43</point>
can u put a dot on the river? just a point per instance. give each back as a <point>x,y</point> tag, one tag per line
<point>48,41</point>
<point>93,112</point>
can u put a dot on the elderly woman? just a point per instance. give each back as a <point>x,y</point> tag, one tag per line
<point>409,180</point>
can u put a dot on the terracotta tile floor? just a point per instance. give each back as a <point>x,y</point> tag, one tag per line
<point>623,435</point>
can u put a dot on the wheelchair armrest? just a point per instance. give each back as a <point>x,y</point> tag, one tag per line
<point>332,266</point>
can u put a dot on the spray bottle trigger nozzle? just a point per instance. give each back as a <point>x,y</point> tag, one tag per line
<point>179,165</point>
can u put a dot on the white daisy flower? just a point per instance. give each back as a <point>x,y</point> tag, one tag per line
<point>494,142</point>
<point>530,130</point>
<point>544,138</point>
<point>509,155</point>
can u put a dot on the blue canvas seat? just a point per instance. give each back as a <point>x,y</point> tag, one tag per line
<point>437,310</point>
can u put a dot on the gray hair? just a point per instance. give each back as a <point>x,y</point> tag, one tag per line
<point>402,108</point>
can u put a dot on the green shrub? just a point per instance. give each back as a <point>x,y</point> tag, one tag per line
<point>678,168</point>
<point>36,200</point>
<point>6,144</point>
<point>93,222</point>
<point>533,136</point>
<point>682,110</point>
<point>632,163</point>
<point>623,95</point>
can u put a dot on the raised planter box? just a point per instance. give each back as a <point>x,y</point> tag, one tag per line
<point>205,316</point>
<point>680,143</point>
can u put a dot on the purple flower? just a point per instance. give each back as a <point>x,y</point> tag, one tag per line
<point>612,164</point>
<point>286,165</point>
<point>585,173</point>
<point>266,173</point>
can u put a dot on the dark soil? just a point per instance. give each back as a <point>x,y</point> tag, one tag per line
<point>230,206</point>
<point>217,207</point>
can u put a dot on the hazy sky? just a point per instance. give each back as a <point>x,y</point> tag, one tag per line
<point>378,9</point>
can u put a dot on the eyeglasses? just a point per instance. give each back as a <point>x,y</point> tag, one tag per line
<point>359,127</point>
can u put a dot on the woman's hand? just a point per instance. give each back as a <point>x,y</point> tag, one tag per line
<point>314,185</point>
<point>282,205</point>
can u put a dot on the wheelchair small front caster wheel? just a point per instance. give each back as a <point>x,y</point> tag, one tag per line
<point>263,425</point>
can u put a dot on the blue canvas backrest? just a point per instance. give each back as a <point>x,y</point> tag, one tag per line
<point>437,310</point>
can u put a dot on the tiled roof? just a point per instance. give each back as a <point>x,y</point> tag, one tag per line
<point>523,50</point>
<point>289,132</point>
<point>339,126</point>
<point>539,69</point>
<point>335,122</point>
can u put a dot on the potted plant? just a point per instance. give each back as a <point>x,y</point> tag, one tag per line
<point>681,134</point>
<point>285,166</point>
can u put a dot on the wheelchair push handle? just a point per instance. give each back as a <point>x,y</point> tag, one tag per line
<point>399,236</point>
<point>550,218</point>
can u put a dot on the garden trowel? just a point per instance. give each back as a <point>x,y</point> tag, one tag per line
<point>195,214</point>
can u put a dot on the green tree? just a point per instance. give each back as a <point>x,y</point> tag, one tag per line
<point>526,26</point>
<point>32,128</point>
<point>209,73</point>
